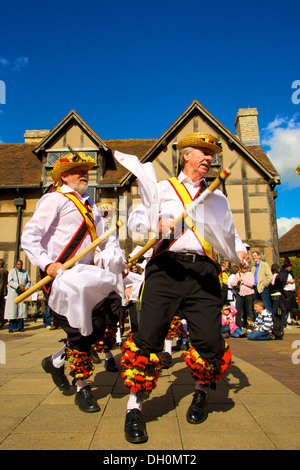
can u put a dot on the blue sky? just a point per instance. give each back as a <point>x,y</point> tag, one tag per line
<point>129,69</point>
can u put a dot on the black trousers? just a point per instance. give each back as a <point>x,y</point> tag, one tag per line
<point>105,314</point>
<point>244,306</point>
<point>191,288</point>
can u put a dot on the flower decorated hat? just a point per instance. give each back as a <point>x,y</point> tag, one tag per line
<point>199,140</point>
<point>70,161</point>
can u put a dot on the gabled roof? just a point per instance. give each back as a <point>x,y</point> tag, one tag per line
<point>19,166</point>
<point>255,154</point>
<point>13,156</point>
<point>290,241</point>
<point>71,117</point>
<point>263,158</point>
<point>117,174</point>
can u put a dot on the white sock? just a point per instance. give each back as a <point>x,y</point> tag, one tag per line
<point>118,335</point>
<point>81,384</point>
<point>108,355</point>
<point>168,345</point>
<point>133,402</point>
<point>57,358</point>
<point>185,327</point>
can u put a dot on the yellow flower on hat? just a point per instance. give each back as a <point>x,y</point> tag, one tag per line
<point>200,140</point>
<point>69,161</point>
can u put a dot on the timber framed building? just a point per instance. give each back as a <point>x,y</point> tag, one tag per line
<point>25,173</point>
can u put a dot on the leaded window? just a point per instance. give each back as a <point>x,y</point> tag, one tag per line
<point>53,156</point>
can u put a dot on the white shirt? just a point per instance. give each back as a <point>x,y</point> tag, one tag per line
<point>76,291</point>
<point>291,286</point>
<point>170,208</point>
<point>53,225</point>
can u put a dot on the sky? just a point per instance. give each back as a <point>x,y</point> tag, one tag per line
<point>130,69</point>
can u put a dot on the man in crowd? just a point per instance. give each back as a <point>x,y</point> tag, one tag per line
<point>262,279</point>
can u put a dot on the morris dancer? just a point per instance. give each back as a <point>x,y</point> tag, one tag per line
<point>64,223</point>
<point>182,275</point>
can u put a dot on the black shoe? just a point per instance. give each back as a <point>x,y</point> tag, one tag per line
<point>110,365</point>
<point>85,400</point>
<point>58,374</point>
<point>197,412</point>
<point>35,315</point>
<point>3,322</point>
<point>135,428</point>
<point>95,358</point>
<point>166,360</point>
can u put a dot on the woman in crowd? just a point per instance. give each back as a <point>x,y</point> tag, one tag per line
<point>243,283</point>
<point>18,282</point>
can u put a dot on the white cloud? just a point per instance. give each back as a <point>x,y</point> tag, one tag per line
<point>4,62</point>
<point>20,63</point>
<point>16,65</point>
<point>282,138</point>
<point>284,224</point>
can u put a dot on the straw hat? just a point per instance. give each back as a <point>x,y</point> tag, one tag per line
<point>106,206</point>
<point>199,140</point>
<point>70,161</point>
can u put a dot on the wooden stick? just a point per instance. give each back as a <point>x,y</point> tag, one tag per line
<point>211,188</point>
<point>68,264</point>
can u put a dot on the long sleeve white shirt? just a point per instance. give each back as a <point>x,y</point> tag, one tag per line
<point>53,225</point>
<point>76,291</point>
<point>170,207</point>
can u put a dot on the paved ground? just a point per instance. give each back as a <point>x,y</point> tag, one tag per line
<point>256,405</point>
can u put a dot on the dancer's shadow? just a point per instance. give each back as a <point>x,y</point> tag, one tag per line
<point>219,399</point>
<point>239,380</point>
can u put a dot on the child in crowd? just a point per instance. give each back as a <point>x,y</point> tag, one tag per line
<point>262,327</point>
<point>228,314</point>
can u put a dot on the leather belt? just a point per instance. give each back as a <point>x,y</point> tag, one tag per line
<point>187,257</point>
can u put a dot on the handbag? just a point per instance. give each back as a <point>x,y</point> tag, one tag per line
<point>238,286</point>
<point>18,290</point>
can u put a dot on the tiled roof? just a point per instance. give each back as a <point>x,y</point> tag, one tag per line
<point>290,241</point>
<point>262,157</point>
<point>19,166</point>
<point>115,172</point>
<point>14,157</point>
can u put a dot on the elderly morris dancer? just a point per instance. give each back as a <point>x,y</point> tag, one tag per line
<point>181,276</point>
<point>64,223</point>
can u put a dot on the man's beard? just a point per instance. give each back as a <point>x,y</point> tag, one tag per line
<point>81,187</point>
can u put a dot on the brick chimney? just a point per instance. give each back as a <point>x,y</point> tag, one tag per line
<point>247,126</point>
<point>35,136</point>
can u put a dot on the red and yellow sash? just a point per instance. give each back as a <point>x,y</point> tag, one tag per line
<point>85,211</point>
<point>87,227</point>
<point>186,200</point>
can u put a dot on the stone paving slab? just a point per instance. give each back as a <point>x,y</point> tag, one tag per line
<point>250,409</point>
